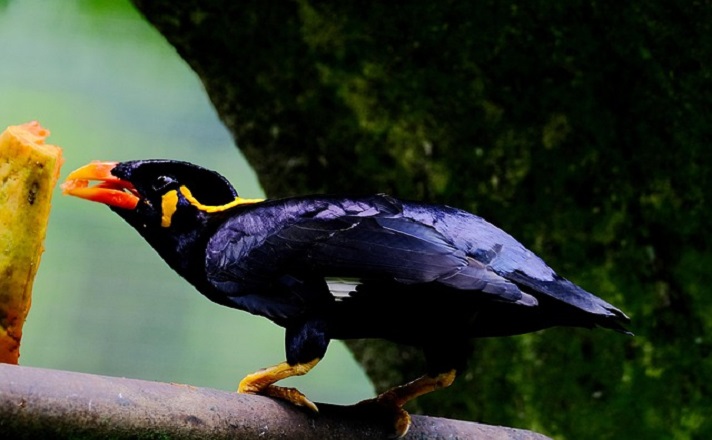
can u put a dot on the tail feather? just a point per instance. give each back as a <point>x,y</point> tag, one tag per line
<point>601,313</point>
<point>616,321</point>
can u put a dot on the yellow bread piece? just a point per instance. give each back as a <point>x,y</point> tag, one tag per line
<point>29,169</point>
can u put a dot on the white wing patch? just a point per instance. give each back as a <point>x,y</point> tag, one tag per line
<point>342,288</point>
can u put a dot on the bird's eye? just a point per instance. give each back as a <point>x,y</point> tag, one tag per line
<point>162,183</point>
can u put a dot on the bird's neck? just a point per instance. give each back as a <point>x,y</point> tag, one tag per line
<point>182,245</point>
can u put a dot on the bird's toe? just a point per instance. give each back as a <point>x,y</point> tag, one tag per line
<point>292,395</point>
<point>398,418</point>
<point>261,382</point>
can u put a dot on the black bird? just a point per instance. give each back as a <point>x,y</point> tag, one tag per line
<point>327,267</point>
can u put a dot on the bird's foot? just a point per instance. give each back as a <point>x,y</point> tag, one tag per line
<point>388,405</point>
<point>393,400</point>
<point>261,382</point>
<point>291,395</point>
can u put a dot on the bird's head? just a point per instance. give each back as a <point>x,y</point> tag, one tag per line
<point>168,202</point>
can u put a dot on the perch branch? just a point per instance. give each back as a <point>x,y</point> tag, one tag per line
<point>41,403</point>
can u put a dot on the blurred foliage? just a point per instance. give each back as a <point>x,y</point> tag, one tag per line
<point>582,127</point>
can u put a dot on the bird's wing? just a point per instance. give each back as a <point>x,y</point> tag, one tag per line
<point>375,247</point>
<point>398,249</point>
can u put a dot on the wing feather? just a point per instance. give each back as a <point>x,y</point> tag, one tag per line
<point>390,248</point>
<point>248,257</point>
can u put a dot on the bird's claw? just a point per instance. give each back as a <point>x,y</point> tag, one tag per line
<point>386,405</point>
<point>261,382</point>
<point>291,395</point>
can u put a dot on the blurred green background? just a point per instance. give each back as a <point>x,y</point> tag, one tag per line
<point>109,87</point>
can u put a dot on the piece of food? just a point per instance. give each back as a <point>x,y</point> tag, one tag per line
<point>328,267</point>
<point>29,169</point>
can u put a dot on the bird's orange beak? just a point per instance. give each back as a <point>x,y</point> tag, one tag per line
<point>110,190</point>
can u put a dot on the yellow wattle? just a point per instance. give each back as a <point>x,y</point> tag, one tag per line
<point>215,208</point>
<point>169,205</point>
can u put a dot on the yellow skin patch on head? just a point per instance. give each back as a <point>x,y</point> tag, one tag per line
<point>218,208</point>
<point>169,205</point>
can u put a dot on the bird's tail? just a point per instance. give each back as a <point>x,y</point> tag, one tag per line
<point>613,319</point>
<point>599,312</point>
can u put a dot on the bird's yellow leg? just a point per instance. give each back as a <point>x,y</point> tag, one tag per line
<point>261,382</point>
<point>394,399</point>
<point>402,394</point>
